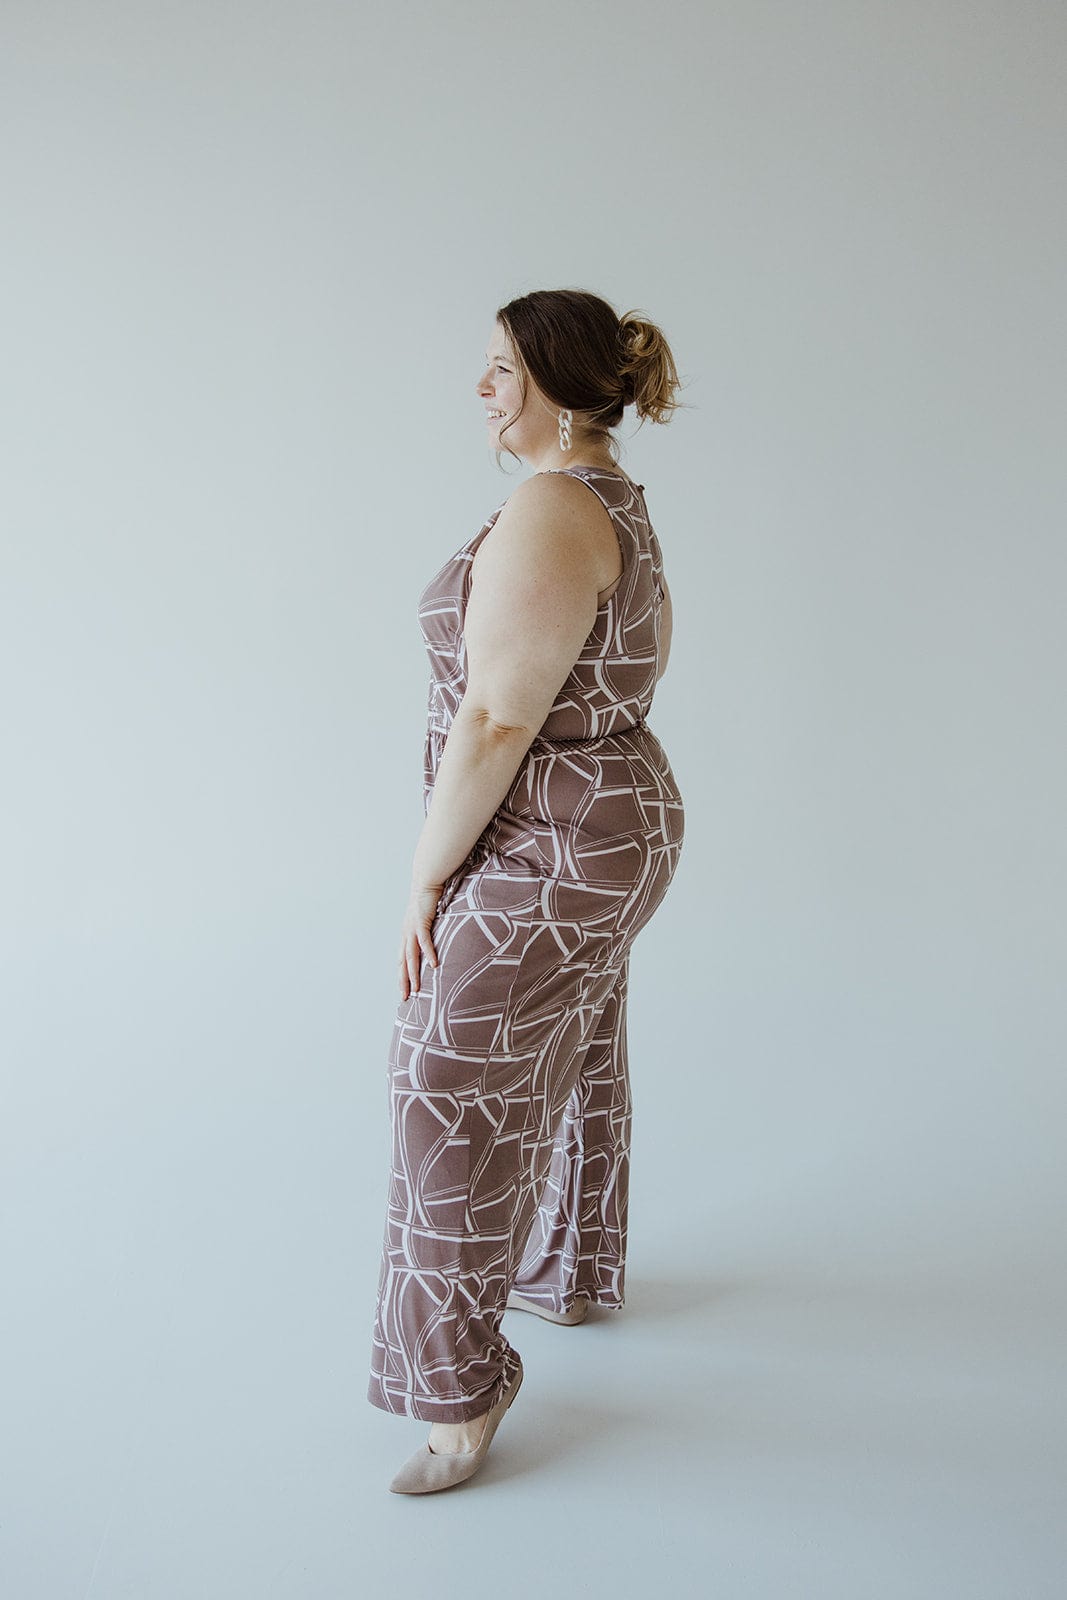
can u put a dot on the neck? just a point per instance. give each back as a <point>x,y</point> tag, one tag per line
<point>552,460</point>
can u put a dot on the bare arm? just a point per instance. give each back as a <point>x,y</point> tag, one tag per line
<point>532,605</point>
<point>666,628</point>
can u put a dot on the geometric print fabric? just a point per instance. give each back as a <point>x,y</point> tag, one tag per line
<point>508,1079</point>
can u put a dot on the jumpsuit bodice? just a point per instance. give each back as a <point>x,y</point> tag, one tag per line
<point>611,684</point>
<point>601,709</point>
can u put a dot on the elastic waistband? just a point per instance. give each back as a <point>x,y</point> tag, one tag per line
<point>580,740</point>
<point>552,740</point>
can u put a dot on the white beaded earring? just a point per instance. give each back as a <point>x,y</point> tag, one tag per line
<point>565,420</point>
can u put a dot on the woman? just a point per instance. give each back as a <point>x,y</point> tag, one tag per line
<point>553,828</point>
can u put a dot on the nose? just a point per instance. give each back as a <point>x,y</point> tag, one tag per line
<point>483,383</point>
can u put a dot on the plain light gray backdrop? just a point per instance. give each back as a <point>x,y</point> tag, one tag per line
<point>251,263</point>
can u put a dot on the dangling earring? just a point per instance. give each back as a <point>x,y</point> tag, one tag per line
<point>565,420</point>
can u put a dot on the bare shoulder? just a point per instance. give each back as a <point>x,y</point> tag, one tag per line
<point>545,495</point>
<point>551,516</point>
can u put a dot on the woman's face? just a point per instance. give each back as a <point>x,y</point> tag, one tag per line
<point>498,388</point>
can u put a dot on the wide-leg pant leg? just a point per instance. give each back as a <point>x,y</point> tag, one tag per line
<point>577,1244</point>
<point>483,1062</point>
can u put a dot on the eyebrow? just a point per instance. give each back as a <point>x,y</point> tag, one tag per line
<point>488,357</point>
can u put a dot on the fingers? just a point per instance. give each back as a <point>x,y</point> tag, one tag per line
<point>420,948</point>
<point>411,965</point>
<point>408,976</point>
<point>415,948</point>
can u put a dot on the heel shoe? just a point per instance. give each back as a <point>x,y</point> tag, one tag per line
<point>579,1312</point>
<point>426,1471</point>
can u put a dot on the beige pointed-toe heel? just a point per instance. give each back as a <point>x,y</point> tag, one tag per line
<point>578,1313</point>
<point>425,1472</point>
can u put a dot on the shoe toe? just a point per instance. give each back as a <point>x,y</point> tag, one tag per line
<point>425,1472</point>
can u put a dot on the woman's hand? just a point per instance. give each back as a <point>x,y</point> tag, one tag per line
<point>415,940</point>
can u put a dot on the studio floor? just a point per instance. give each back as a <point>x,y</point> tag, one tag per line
<point>769,1432</point>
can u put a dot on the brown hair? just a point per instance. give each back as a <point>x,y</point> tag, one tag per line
<point>583,356</point>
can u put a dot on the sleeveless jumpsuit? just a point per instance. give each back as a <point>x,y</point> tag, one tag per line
<point>508,1082</point>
